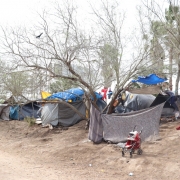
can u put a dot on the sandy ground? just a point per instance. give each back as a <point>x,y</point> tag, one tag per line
<point>36,153</point>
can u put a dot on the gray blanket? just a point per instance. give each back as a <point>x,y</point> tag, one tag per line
<point>116,127</point>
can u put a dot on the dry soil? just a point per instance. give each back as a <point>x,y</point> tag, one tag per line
<point>36,153</point>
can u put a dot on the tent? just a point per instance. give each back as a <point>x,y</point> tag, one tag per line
<point>135,102</point>
<point>19,112</point>
<point>54,113</point>
<point>58,112</point>
<point>168,110</point>
<point>4,111</point>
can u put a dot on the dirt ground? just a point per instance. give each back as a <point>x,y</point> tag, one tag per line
<point>36,153</point>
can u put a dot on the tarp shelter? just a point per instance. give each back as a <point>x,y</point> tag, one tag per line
<point>116,127</point>
<point>71,95</point>
<point>54,113</point>
<point>150,79</point>
<point>4,111</point>
<point>135,102</point>
<point>168,110</point>
<point>19,112</point>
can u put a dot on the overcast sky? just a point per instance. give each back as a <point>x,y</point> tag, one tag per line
<point>17,12</point>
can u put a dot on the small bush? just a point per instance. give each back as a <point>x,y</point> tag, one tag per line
<point>31,121</point>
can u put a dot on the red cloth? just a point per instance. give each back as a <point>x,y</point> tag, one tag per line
<point>104,91</point>
<point>178,128</point>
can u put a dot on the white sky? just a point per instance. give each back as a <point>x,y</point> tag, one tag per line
<point>23,12</point>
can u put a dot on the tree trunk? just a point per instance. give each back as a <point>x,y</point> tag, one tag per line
<point>177,80</point>
<point>170,67</point>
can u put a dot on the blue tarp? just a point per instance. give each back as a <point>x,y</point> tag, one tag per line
<point>20,112</point>
<point>14,112</point>
<point>73,94</point>
<point>152,79</point>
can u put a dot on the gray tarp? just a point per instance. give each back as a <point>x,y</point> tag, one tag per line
<point>136,102</point>
<point>4,111</point>
<point>117,127</point>
<point>63,113</point>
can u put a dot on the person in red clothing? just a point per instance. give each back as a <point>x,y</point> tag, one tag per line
<point>104,92</point>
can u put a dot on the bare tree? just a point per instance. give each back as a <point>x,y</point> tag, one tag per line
<point>114,43</point>
<point>64,43</point>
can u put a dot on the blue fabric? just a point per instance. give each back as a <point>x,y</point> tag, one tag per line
<point>20,112</point>
<point>14,112</point>
<point>29,110</point>
<point>150,80</point>
<point>98,96</point>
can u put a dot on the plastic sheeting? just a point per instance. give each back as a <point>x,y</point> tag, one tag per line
<point>52,112</point>
<point>44,94</point>
<point>168,110</point>
<point>135,102</point>
<point>4,111</point>
<point>150,80</point>
<point>73,95</point>
<point>29,110</point>
<point>19,112</point>
<point>14,112</point>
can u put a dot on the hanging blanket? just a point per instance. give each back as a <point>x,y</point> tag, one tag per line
<point>117,127</point>
<point>95,126</point>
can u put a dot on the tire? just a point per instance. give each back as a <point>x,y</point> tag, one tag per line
<point>139,152</point>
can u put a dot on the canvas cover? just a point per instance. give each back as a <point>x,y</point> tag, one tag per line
<point>4,111</point>
<point>135,102</point>
<point>19,112</point>
<point>65,115</point>
<point>116,127</point>
<point>168,110</point>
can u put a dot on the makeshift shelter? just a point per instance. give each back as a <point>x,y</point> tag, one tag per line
<point>58,112</point>
<point>115,127</point>
<point>4,111</point>
<point>134,102</point>
<point>19,112</point>
<point>168,110</point>
<point>54,113</point>
<point>134,110</point>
